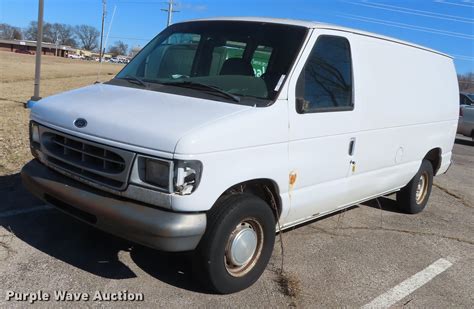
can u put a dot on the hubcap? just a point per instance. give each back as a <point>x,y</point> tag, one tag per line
<point>421,188</point>
<point>243,247</point>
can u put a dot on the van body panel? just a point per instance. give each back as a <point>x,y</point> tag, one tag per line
<point>403,108</point>
<point>238,148</point>
<point>143,118</point>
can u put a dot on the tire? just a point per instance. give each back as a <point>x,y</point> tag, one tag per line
<point>238,219</point>
<point>408,200</point>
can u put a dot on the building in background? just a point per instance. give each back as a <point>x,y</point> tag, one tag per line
<point>29,47</point>
<point>49,49</point>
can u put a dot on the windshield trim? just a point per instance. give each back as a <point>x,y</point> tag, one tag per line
<point>189,92</point>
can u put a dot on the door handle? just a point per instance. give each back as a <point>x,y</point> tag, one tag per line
<point>352,146</point>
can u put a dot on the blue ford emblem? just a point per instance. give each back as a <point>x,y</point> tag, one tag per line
<point>80,122</point>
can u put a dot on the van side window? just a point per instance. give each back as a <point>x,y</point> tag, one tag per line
<point>325,84</point>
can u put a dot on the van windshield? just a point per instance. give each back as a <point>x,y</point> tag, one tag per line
<point>230,61</point>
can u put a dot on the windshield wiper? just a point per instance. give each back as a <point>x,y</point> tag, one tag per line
<point>204,87</point>
<point>134,80</point>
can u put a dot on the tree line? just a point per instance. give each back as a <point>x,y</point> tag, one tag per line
<point>466,82</point>
<point>80,36</point>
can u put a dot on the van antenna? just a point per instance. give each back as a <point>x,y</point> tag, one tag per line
<point>105,45</point>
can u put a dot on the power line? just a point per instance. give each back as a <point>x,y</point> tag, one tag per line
<point>404,10</point>
<point>422,11</point>
<point>464,57</point>
<point>408,26</point>
<point>453,3</point>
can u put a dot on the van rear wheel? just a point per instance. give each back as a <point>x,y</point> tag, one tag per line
<point>237,244</point>
<point>414,196</point>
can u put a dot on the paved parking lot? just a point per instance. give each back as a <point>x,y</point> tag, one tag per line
<point>362,256</point>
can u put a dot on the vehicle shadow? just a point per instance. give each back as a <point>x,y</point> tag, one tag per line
<point>81,245</point>
<point>464,142</point>
<point>172,268</point>
<point>383,203</point>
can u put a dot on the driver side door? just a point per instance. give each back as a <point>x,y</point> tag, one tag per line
<point>323,124</point>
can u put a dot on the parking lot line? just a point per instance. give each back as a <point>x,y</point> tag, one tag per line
<point>17,212</point>
<point>408,286</point>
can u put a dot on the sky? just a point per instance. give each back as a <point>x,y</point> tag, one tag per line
<point>444,25</point>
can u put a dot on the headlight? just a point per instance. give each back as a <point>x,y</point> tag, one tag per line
<point>34,133</point>
<point>187,176</point>
<point>35,145</point>
<point>153,173</point>
<point>157,173</point>
<point>180,177</point>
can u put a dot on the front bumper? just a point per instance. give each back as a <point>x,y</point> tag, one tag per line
<point>152,227</point>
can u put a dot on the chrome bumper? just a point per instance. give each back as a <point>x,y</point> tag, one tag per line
<point>152,227</point>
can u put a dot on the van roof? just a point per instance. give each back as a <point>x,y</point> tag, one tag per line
<point>319,25</point>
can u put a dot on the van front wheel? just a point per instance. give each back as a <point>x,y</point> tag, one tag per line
<point>413,197</point>
<point>237,244</point>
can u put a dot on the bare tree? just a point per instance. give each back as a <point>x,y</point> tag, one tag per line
<point>63,34</point>
<point>119,48</point>
<point>31,32</point>
<point>87,36</point>
<point>466,82</point>
<point>134,50</point>
<point>17,35</point>
<point>9,32</point>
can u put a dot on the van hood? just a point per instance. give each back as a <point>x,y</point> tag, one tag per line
<point>137,117</point>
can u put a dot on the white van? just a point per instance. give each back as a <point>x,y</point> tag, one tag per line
<point>221,128</point>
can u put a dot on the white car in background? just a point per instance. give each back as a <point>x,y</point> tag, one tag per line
<point>74,56</point>
<point>466,120</point>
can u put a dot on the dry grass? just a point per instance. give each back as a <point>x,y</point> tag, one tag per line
<point>16,87</point>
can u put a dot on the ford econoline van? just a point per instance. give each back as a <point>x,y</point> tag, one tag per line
<point>223,131</point>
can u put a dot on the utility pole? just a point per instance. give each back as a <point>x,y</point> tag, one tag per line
<point>104,7</point>
<point>56,43</point>
<point>170,11</point>
<point>39,50</point>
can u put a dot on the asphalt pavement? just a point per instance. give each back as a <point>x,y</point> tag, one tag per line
<point>370,255</point>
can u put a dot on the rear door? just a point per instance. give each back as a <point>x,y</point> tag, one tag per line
<point>323,121</point>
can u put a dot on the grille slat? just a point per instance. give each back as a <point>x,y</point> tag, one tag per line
<point>84,152</point>
<point>91,161</point>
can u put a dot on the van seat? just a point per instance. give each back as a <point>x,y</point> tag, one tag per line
<point>236,66</point>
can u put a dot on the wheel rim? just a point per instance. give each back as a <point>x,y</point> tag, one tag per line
<point>244,247</point>
<point>422,188</point>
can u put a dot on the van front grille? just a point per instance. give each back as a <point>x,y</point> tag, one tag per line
<point>93,162</point>
<point>84,155</point>
<point>84,173</point>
